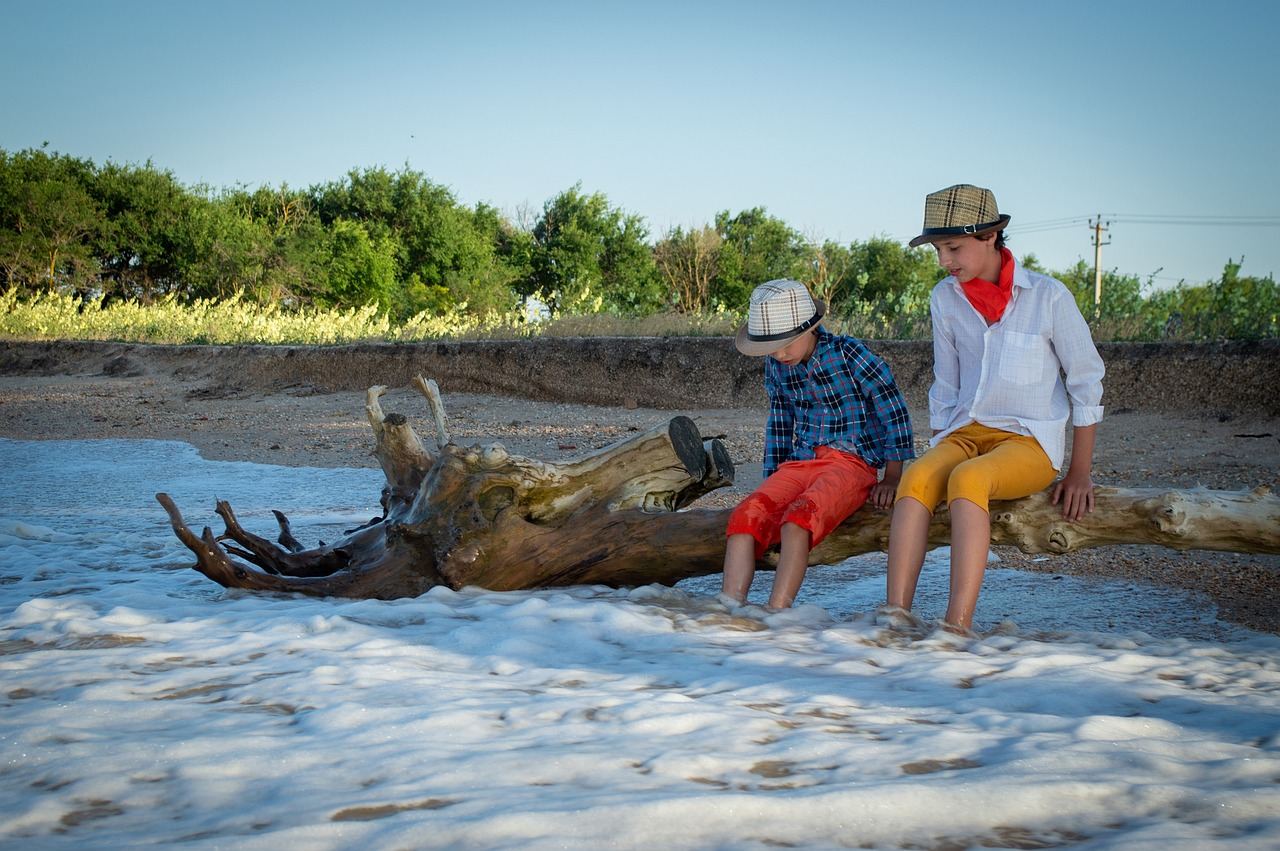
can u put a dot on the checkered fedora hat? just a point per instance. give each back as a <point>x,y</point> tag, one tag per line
<point>960,210</point>
<point>780,311</point>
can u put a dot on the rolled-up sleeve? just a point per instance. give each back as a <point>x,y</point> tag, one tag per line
<point>1082,366</point>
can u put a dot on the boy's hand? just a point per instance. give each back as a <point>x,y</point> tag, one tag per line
<point>1076,493</point>
<point>883,491</point>
<point>1076,488</point>
<point>882,494</point>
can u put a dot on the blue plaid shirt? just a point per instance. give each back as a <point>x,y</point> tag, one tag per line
<point>844,397</point>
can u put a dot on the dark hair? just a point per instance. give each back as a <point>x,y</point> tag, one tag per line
<point>1000,239</point>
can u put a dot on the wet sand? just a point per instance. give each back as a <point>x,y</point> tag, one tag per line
<point>299,424</point>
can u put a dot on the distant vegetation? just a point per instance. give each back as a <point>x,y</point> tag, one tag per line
<point>124,252</point>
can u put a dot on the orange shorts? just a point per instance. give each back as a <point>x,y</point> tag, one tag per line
<point>977,463</point>
<point>817,495</point>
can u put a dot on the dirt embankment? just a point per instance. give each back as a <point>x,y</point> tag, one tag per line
<point>1219,379</point>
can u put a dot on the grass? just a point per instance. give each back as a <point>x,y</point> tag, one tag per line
<point>239,321</point>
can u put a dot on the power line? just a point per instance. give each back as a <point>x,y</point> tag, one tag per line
<point>1223,222</point>
<point>1064,220</point>
<point>1096,227</point>
<point>1167,216</point>
<point>1067,222</point>
<point>1152,219</point>
<point>1043,227</point>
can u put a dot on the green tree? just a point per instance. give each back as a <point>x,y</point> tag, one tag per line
<point>279,211</point>
<point>1032,263</point>
<point>219,251</point>
<point>285,249</point>
<point>20,260</point>
<point>1233,307</point>
<point>757,248</point>
<point>884,271</point>
<point>1249,305</point>
<point>688,262</point>
<point>581,249</point>
<point>445,253</point>
<point>630,279</point>
<point>49,220</point>
<point>360,270</point>
<point>828,267</point>
<point>147,211</point>
<point>1122,301</point>
<point>473,273</point>
<point>488,286</point>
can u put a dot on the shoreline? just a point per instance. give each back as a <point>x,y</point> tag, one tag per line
<point>114,392</point>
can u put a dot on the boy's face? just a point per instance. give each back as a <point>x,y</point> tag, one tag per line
<point>798,350</point>
<point>969,257</point>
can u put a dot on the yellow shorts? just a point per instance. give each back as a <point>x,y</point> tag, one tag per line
<point>977,463</point>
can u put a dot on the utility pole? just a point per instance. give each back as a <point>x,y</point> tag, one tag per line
<point>1097,227</point>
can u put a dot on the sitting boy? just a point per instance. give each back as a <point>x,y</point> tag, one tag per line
<point>835,416</point>
<point>1013,363</point>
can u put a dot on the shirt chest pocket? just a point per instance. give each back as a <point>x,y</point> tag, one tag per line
<point>1024,358</point>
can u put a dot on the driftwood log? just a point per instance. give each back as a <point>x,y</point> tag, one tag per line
<point>480,516</point>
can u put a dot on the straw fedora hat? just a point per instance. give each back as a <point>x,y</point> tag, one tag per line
<point>960,210</point>
<point>780,312</point>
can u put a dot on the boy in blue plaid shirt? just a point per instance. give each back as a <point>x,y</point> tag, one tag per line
<point>835,416</point>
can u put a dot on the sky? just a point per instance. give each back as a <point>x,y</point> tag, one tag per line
<point>144,706</point>
<point>1158,119</point>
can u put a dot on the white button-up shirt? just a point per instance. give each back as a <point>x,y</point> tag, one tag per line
<point>1018,374</point>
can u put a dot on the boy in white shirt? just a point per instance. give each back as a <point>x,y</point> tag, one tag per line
<point>1003,339</point>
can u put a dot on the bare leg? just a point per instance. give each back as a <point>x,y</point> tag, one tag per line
<point>739,566</point>
<point>793,562</point>
<point>908,541</point>
<point>970,547</point>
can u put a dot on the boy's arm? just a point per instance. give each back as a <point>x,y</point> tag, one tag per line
<point>777,443</point>
<point>886,489</point>
<point>888,405</point>
<point>945,389</point>
<point>1083,370</point>
<point>1076,488</point>
<point>779,429</point>
<point>1082,367</point>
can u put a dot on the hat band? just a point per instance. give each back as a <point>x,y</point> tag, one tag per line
<point>799,329</point>
<point>961,230</point>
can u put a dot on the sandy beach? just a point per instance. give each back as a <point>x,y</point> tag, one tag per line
<point>300,424</point>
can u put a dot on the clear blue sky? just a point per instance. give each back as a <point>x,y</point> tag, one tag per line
<point>838,117</point>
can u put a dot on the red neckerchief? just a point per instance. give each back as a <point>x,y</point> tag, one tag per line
<point>991,299</point>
